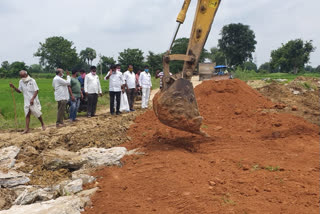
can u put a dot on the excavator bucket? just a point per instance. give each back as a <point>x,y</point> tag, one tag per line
<point>177,107</point>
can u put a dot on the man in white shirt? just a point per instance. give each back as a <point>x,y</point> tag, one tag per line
<point>29,88</point>
<point>61,95</point>
<point>115,78</point>
<point>92,88</point>
<point>160,74</point>
<point>146,85</point>
<point>130,81</point>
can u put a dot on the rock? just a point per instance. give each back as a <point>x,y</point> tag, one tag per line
<point>29,151</point>
<point>13,178</point>
<point>72,187</point>
<point>38,195</point>
<point>86,179</point>
<point>2,203</point>
<point>238,111</point>
<point>88,193</point>
<point>7,157</point>
<point>296,92</point>
<point>218,128</point>
<point>62,205</point>
<point>212,183</point>
<point>62,159</point>
<point>294,108</point>
<point>103,157</point>
<point>280,106</point>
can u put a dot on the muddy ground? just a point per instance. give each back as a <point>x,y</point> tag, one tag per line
<point>260,159</point>
<point>256,161</point>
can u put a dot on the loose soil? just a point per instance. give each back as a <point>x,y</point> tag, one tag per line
<point>306,101</point>
<point>102,131</point>
<point>256,161</point>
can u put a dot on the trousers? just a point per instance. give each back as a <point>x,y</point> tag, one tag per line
<point>61,110</point>
<point>74,106</point>
<point>145,97</point>
<point>92,104</point>
<point>131,95</point>
<point>117,95</point>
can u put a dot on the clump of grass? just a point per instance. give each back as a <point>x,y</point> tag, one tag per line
<point>255,167</point>
<point>204,126</point>
<point>227,200</point>
<point>272,169</point>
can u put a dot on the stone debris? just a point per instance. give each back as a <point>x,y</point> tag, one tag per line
<point>86,179</point>
<point>62,159</point>
<point>72,187</point>
<point>103,157</point>
<point>27,197</point>
<point>13,178</point>
<point>62,205</point>
<point>7,157</point>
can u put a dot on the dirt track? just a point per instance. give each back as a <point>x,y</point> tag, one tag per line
<point>255,162</point>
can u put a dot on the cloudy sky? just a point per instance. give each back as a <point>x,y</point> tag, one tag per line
<point>109,26</point>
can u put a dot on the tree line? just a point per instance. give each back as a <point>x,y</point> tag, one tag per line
<point>235,49</point>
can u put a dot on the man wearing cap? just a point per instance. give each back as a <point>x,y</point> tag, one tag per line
<point>29,88</point>
<point>92,88</point>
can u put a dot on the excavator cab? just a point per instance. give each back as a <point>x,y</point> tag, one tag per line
<point>175,105</point>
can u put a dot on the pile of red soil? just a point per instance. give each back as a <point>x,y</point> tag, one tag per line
<point>254,162</point>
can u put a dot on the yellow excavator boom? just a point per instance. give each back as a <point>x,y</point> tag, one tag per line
<point>175,105</point>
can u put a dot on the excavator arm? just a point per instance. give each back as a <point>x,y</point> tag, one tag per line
<point>175,105</point>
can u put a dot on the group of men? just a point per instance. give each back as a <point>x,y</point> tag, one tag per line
<point>75,88</point>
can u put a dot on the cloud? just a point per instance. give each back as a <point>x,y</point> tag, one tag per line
<point>111,26</point>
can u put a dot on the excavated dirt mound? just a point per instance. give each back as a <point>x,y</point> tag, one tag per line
<point>254,162</point>
<point>301,97</point>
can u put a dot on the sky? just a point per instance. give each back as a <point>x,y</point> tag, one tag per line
<point>110,26</point>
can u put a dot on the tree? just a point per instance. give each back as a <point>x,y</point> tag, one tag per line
<point>237,43</point>
<point>180,46</point>
<point>154,61</point>
<point>265,68</point>
<point>217,56</point>
<point>89,54</point>
<point>131,57</point>
<point>5,65</point>
<point>36,68</point>
<point>106,62</point>
<point>292,56</point>
<point>57,52</point>
<point>250,66</point>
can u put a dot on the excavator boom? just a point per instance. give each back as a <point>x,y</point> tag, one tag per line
<point>175,105</point>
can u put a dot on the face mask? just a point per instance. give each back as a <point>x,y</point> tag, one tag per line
<point>146,70</point>
<point>62,75</point>
<point>130,69</point>
<point>118,69</point>
<point>94,72</point>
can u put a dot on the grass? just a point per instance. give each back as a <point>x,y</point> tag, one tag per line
<point>46,97</point>
<point>252,75</point>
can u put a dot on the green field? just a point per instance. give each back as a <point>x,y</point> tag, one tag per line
<point>251,75</point>
<point>46,96</point>
<point>49,105</point>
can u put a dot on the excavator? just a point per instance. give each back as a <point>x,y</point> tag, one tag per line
<point>175,105</point>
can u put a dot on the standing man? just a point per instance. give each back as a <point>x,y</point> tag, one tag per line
<point>61,95</point>
<point>160,74</point>
<point>146,85</point>
<point>130,81</point>
<point>115,78</point>
<point>29,88</point>
<point>75,95</point>
<point>92,88</point>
